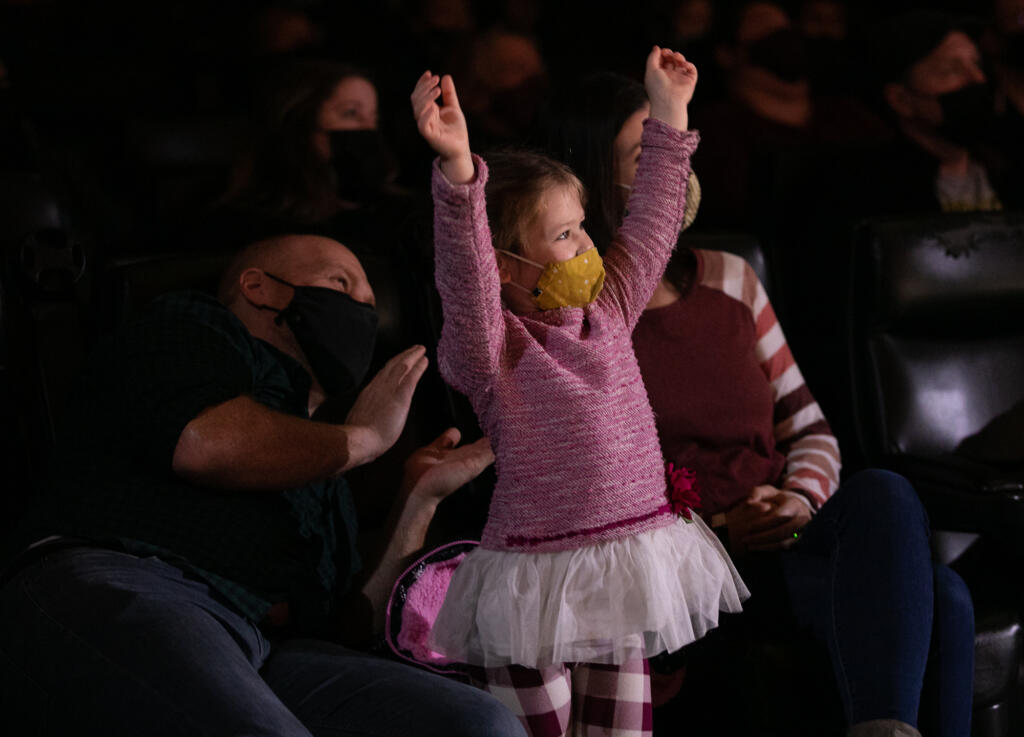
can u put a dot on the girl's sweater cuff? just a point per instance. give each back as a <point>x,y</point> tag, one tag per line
<point>658,134</point>
<point>457,194</point>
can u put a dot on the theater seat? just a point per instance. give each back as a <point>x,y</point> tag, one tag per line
<point>173,171</point>
<point>741,244</point>
<point>937,359</point>
<point>44,331</point>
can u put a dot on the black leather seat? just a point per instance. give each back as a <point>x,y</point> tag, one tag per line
<point>937,353</point>
<point>741,244</point>
<point>173,172</point>
<point>44,327</point>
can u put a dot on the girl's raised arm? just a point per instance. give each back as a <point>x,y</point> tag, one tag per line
<point>670,81</point>
<point>466,271</point>
<point>642,246</point>
<point>443,125</point>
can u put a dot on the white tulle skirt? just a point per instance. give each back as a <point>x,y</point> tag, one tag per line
<point>605,603</point>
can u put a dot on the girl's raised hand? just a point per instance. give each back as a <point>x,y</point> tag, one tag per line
<point>670,80</point>
<point>443,125</point>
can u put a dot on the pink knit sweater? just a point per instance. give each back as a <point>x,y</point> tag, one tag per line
<point>559,392</point>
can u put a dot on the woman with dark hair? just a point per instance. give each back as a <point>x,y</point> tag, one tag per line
<point>588,121</point>
<point>316,161</point>
<point>850,563</point>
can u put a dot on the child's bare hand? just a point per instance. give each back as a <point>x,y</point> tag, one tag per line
<point>670,81</point>
<point>443,125</point>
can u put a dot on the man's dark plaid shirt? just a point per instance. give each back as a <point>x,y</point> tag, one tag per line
<point>113,481</point>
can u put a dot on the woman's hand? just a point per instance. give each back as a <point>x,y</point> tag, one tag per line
<point>768,519</point>
<point>443,125</point>
<point>670,81</point>
<point>436,470</point>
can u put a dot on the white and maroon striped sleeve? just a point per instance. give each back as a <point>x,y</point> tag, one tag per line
<point>801,431</point>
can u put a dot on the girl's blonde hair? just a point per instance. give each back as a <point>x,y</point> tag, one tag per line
<point>517,182</point>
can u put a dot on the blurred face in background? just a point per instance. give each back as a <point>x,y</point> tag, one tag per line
<point>824,19</point>
<point>1008,21</point>
<point>692,19</point>
<point>352,106</point>
<point>953,66</point>
<point>1009,16</point>
<point>760,20</point>
<point>946,92</point>
<point>766,40</point>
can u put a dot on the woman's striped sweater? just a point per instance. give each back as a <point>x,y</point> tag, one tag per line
<point>729,399</point>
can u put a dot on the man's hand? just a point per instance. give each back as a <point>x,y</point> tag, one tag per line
<point>766,520</point>
<point>379,413</point>
<point>436,470</point>
<point>670,81</point>
<point>443,126</point>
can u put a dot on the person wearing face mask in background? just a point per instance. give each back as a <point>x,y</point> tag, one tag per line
<point>317,163</point>
<point>199,524</point>
<point>831,60</point>
<point>771,115</point>
<point>932,82</point>
<point>1004,44</point>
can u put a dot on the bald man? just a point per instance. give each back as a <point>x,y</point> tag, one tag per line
<point>199,524</point>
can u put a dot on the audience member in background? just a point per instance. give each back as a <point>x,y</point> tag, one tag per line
<point>851,563</point>
<point>437,28</point>
<point>690,24</point>
<point>194,563</point>
<point>770,122</point>
<point>831,61</point>
<point>931,80</point>
<point>317,163</point>
<point>281,29</point>
<point>502,81</point>
<point>1006,47</point>
<point>17,148</point>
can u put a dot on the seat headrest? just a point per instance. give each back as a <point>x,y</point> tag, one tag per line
<point>745,245</point>
<point>950,272</point>
<point>27,205</point>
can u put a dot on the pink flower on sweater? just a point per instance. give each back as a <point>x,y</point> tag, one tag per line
<point>683,492</point>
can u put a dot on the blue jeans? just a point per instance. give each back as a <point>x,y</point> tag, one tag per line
<point>861,577</point>
<point>100,642</point>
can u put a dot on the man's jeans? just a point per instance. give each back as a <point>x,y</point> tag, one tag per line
<point>98,642</point>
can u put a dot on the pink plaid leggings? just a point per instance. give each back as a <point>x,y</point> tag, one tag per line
<point>582,699</point>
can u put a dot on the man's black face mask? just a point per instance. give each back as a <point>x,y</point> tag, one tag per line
<point>334,331</point>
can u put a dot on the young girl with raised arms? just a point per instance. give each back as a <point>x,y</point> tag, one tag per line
<point>585,567</point>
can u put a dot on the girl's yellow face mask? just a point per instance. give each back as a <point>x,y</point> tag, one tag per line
<point>575,282</point>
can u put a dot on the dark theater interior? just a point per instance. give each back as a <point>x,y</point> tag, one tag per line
<point>858,184</point>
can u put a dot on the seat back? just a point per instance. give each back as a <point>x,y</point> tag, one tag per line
<point>173,172</point>
<point>45,327</point>
<point>745,245</point>
<point>937,359</point>
<point>938,335</point>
